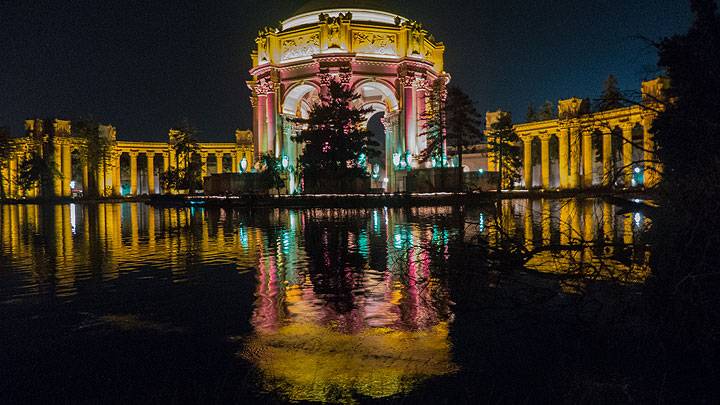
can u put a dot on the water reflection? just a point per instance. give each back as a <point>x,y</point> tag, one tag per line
<point>347,302</point>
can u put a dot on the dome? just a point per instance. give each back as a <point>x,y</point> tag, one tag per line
<point>362,10</point>
<point>320,5</point>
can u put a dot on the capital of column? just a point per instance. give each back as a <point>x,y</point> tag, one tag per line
<point>264,86</point>
<point>545,137</point>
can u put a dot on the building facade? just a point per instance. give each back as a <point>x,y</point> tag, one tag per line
<point>130,168</point>
<point>389,60</point>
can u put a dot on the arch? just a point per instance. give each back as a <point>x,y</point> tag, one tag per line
<point>373,91</point>
<point>295,95</point>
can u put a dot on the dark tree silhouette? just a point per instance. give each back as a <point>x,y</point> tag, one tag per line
<point>611,97</point>
<point>335,137</point>
<point>464,124</point>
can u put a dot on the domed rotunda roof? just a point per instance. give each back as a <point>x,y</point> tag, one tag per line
<point>362,10</point>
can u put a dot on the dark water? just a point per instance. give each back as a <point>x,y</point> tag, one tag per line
<point>124,302</point>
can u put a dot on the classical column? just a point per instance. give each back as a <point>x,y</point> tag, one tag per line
<point>233,158</point>
<point>493,164</point>
<point>219,164</point>
<point>116,186</point>
<point>271,128</point>
<point>166,166</point>
<point>100,179</point>
<point>409,115</point>
<point>545,160</point>
<point>133,173</point>
<point>151,171</point>
<point>563,158</point>
<point>607,155</point>
<point>12,176</point>
<point>238,159</point>
<point>262,125</point>
<point>172,159</point>
<point>574,157</point>
<point>85,178</point>
<point>588,158</point>
<point>652,171</point>
<point>66,169</point>
<point>627,153</point>
<point>527,162</point>
<point>57,182</point>
<point>420,144</point>
<point>203,164</point>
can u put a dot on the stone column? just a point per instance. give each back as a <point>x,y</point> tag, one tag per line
<point>653,169</point>
<point>151,171</point>
<point>219,164</point>
<point>545,160</point>
<point>133,173</point>
<point>563,158</point>
<point>100,182</point>
<point>262,124</point>
<point>588,158</point>
<point>627,153</point>
<point>492,162</point>
<point>203,164</point>
<point>172,159</point>
<point>57,182</point>
<point>233,158</point>
<point>85,178</point>
<point>574,157</point>
<point>271,128</point>
<point>166,165</point>
<point>527,162</point>
<point>66,169</point>
<point>12,176</point>
<point>238,159</point>
<point>409,116</point>
<point>607,155</point>
<point>116,186</point>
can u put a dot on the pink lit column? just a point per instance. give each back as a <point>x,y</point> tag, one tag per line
<point>262,124</point>
<point>410,123</point>
<point>271,123</point>
<point>419,145</point>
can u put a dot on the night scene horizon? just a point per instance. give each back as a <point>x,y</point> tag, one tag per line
<point>360,202</point>
<point>145,67</point>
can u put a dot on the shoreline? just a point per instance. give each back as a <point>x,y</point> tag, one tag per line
<point>343,200</point>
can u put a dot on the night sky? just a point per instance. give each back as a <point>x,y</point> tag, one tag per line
<point>143,66</point>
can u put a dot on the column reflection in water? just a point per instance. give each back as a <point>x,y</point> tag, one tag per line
<point>330,323</point>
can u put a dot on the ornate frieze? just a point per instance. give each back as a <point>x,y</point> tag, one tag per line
<point>375,43</point>
<point>572,108</point>
<point>300,46</point>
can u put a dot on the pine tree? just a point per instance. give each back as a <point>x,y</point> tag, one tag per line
<point>435,124</point>
<point>503,143</point>
<point>547,111</point>
<point>612,97</point>
<point>335,137</point>
<point>464,125</point>
<point>531,115</point>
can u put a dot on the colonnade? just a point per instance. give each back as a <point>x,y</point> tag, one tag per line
<point>66,152</point>
<point>574,131</point>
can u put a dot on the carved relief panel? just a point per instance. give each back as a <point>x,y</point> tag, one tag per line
<point>300,46</point>
<point>375,43</point>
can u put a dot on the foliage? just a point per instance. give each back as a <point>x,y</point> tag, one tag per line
<point>34,171</point>
<point>531,115</point>
<point>503,144</point>
<point>464,124</point>
<point>271,171</point>
<point>188,173</point>
<point>547,111</point>
<point>686,261</point>
<point>434,127</point>
<point>335,137</point>
<point>96,150</point>
<point>6,151</point>
<point>611,97</point>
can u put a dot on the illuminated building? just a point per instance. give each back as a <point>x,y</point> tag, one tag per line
<point>570,138</point>
<point>389,60</point>
<point>155,157</point>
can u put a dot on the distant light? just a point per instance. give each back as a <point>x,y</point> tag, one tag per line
<point>637,218</point>
<point>244,164</point>
<point>285,162</point>
<point>481,171</point>
<point>396,159</point>
<point>72,184</point>
<point>637,170</point>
